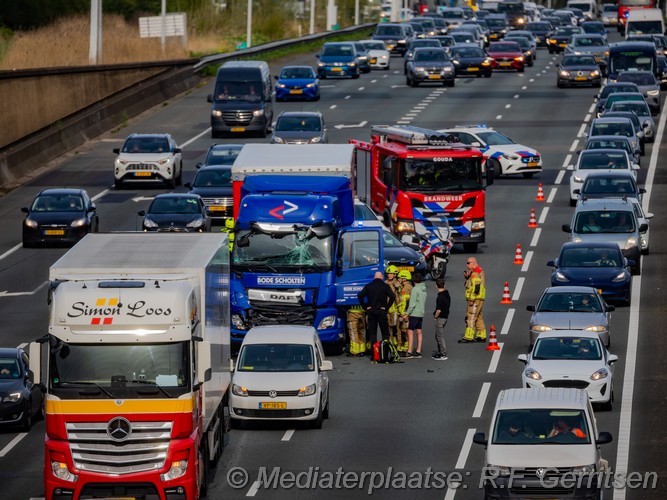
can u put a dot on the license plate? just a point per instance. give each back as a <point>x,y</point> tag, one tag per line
<point>217,208</point>
<point>493,37</point>
<point>142,174</point>
<point>336,69</point>
<point>238,129</point>
<point>406,268</point>
<point>296,91</point>
<point>272,406</point>
<point>374,61</point>
<point>473,69</point>
<point>54,232</point>
<point>580,78</point>
<point>434,77</point>
<point>562,44</point>
<point>533,164</point>
<point>505,64</point>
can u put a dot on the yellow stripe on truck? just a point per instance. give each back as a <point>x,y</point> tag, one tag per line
<point>112,407</point>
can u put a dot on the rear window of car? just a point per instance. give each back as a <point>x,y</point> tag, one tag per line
<point>613,128</point>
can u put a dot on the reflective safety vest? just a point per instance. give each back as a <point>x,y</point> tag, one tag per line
<point>396,288</point>
<point>229,229</point>
<point>476,285</point>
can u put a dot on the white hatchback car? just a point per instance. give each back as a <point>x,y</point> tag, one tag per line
<point>598,160</point>
<point>571,358</point>
<point>280,374</point>
<point>148,157</point>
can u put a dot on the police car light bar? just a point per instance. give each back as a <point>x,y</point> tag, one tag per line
<point>408,134</point>
<point>472,125</point>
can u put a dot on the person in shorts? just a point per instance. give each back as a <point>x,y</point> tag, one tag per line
<point>415,313</point>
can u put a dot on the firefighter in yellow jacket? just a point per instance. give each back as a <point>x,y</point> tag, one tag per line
<point>475,294</point>
<point>229,229</point>
<point>356,327</point>
<point>404,278</point>
<point>392,314</point>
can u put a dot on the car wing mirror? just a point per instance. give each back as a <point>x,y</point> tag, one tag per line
<point>177,150</point>
<point>648,215</point>
<point>91,208</point>
<point>576,191</point>
<point>476,144</point>
<point>551,263</point>
<point>643,227</point>
<point>187,185</point>
<point>326,366</point>
<point>531,308</point>
<point>604,438</point>
<point>209,98</point>
<point>116,151</point>
<point>199,165</point>
<point>566,228</point>
<point>141,213</point>
<point>523,358</point>
<point>25,210</point>
<point>635,166</point>
<point>612,359</point>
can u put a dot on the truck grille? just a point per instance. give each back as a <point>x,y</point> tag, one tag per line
<point>237,117</point>
<point>264,314</point>
<point>93,450</point>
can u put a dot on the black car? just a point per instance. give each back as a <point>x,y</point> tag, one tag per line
<point>176,212</point>
<point>363,57</point>
<point>430,66</point>
<point>526,49</point>
<point>541,31</point>
<point>578,70</point>
<point>498,26</point>
<point>221,154</point>
<point>214,185</point>
<point>470,60</point>
<point>559,38</point>
<point>22,398</point>
<point>414,44</point>
<point>59,216</point>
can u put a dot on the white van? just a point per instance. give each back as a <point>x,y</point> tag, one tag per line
<point>645,22</point>
<point>281,374</point>
<point>543,442</point>
<point>588,7</point>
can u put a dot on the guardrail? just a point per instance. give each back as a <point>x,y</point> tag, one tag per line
<point>118,93</point>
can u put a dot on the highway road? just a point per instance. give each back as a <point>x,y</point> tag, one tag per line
<point>420,415</point>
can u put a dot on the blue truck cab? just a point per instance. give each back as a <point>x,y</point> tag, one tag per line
<point>298,257</point>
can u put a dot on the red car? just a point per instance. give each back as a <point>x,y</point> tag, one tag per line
<point>506,55</point>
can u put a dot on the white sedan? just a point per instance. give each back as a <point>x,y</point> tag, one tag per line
<point>571,358</point>
<point>378,54</point>
<point>598,160</point>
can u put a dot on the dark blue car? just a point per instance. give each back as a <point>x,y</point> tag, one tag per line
<point>598,265</point>
<point>338,59</point>
<point>297,82</point>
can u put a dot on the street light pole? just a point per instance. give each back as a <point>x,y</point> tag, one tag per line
<point>95,44</point>
<point>312,17</point>
<point>248,36</point>
<point>163,15</point>
<point>356,12</point>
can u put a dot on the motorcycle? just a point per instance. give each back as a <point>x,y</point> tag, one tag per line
<point>435,247</point>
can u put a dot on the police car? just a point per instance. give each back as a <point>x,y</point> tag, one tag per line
<point>506,156</point>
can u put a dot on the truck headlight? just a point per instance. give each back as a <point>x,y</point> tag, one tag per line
<point>595,328</point>
<point>405,226</point>
<point>14,397</point>
<point>30,223</point>
<point>79,222</point>
<point>237,322</point>
<point>631,243</point>
<point>217,113</point>
<point>533,374</point>
<point>478,226</point>
<point>600,374</point>
<point>196,223</point>
<point>150,223</point>
<point>61,471</point>
<point>327,322</point>
<point>177,469</point>
<point>541,328</point>
<point>237,390</point>
<point>308,390</point>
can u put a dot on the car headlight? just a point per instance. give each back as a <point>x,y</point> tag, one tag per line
<point>327,322</point>
<point>61,471</point>
<point>14,397</point>
<point>620,277</point>
<point>533,374</point>
<point>595,328</point>
<point>551,41</point>
<point>541,328</point>
<point>631,243</point>
<point>277,140</point>
<point>653,92</point>
<point>564,73</point>
<point>421,260</point>
<point>164,160</point>
<point>321,65</point>
<point>595,72</point>
<point>237,390</point>
<point>454,61</point>
<point>560,276</point>
<point>30,223</point>
<point>310,85</point>
<point>447,69</point>
<point>237,322</point>
<point>150,223</point>
<point>280,85</point>
<point>176,470</point>
<point>352,64</point>
<point>584,469</point>
<point>510,156</point>
<point>519,59</point>
<point>217,113</point>
<point>576,178</point>
<point>486,63</point>
<point>420,69</point>
<point>600,374</point>
<point>405,226</point>
<point>195,223</point>
<point>477,226</point>
<point>401,41</point>
<point>258,112</point>
<point>79,222</point>
<point>315,139</point>
<point>308,390</point>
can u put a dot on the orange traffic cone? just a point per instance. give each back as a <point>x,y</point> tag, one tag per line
<point>518,258</point>
<point>533,220</point>
<point>493,341</point>
<point>506,294</point>
<point>540,193</point>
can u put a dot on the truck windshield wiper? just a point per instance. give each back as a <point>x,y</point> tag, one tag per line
<point>153,384</point>
<point>93,384</point>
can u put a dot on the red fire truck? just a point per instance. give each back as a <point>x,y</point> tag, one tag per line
<point>421,181</point>
<point>625,6</point>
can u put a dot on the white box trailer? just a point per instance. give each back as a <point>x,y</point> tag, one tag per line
<point>138,330</point>
<point>645,22</point>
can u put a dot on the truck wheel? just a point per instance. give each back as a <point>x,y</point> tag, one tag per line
<point>203,470</point>
<point>470,247</point>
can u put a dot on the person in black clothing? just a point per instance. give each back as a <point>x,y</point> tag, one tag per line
<point>376,298</point>
<point>441,313</point>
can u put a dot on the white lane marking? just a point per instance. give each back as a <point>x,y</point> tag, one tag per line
<point>113,140</point>
<point>581,130</point>
<point>419,106</point>
<point>425,103</point>
<point>516,96</point>
<point>403,122</point>
<point>567,160</point>
<point>347,96</point>
<point>495,358</point>
<point>544,71</point>
<point>99,195</point>
<point>481,399</point>
<point>524,87</point>
<point>429,99</point>
<point>451,492</point>
<point>190,141</point>
<point>361,88</point>
<point>499,117</point>
<point>288,435</point>
<point>537,74</point>
<point>592,108</point>
<point>587,118</point>
<point>406,119</point>
<point>536,237</point>
<point>411,114</point>
<point>517,289</point>
<point>559,177</point>
<point>574,145</point>
<point>333,106</point>
<point>531,80</point>
<point>373,81</point>
<point>253,489</point>
<point>508,322</point>
<point>526,261</point>
<point>18,294</point>
<point>552,193</point>
<point>385,76</point>
<point>508,106</point>
<point>12,443</point>
<point>625,420</point>
<point>327,86</point>
<point>11,251</point>
<point>465,449</point>
<point>543,215</point>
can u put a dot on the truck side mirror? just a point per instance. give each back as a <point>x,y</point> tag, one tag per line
<point>35,353</point>
<point>339,267</point>
<point>203,361</point>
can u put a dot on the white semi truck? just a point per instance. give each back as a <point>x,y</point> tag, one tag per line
<point>137,366</point>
